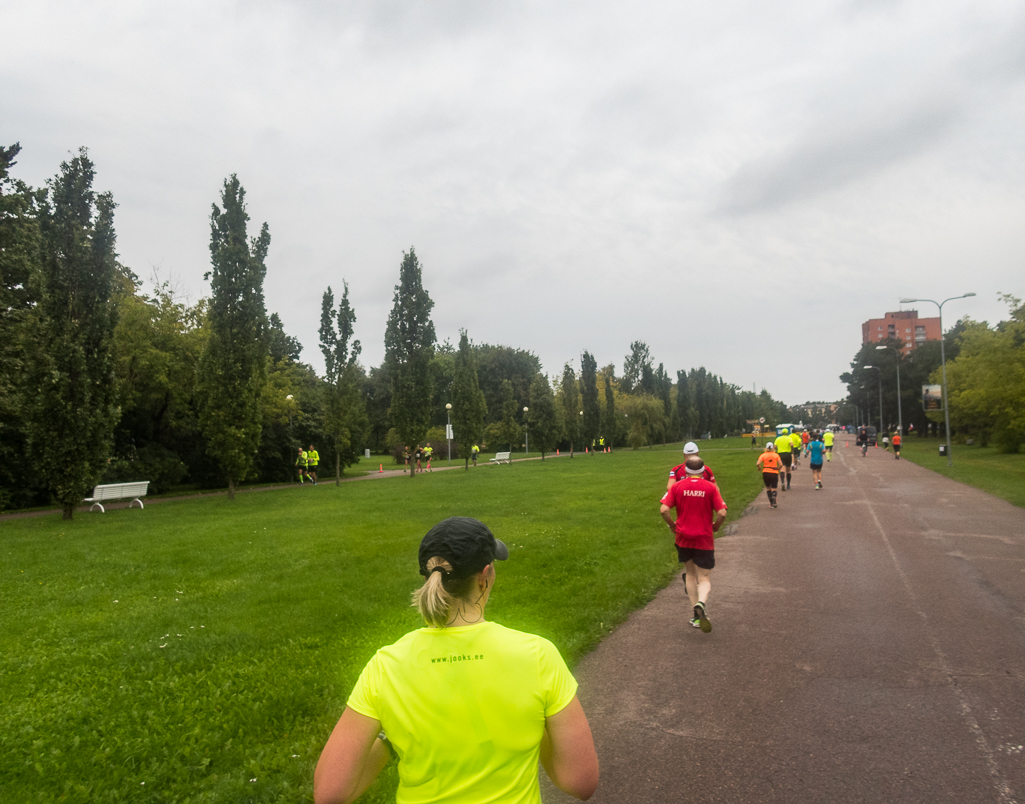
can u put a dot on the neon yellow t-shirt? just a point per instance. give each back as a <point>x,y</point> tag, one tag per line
<point>313,457</point>
<point>827,438</point>
<point>783,443</point>
<point>465,709</point>
<point>795,439</point>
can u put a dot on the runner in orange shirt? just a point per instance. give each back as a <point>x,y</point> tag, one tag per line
<point>770,464</point>
<point>896,445</point>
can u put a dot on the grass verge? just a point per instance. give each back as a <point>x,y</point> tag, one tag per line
<point>201,650</point>
<point>986,468</point>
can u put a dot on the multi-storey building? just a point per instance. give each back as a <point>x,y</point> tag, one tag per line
<point>904,325</point>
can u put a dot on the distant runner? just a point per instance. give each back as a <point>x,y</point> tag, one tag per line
<point>784,447</point>
<point>795,440</point>
<point>827,440</point>
<point>700,512</point>
<point>312,462</point>
<point>678,473</point>
<point>816,449</point>
<point>300,464</point>
<point>805,440</point>
<point>896,445</point>
<point>474,452</point>
<point>770,464</point>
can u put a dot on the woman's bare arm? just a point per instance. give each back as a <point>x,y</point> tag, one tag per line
<point>567,752</point>
<point>351,760</point>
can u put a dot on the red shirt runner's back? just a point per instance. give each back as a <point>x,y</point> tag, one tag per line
<point>696,501</point>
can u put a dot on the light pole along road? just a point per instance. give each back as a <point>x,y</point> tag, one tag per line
<point>879,435</point>
<point>943,362</point>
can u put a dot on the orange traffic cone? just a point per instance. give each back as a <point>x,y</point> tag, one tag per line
<point>380,468</point>
<point>556,452</point>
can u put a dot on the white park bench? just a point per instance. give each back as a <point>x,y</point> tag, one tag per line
<point>118,491</point>
<point>501,457</point>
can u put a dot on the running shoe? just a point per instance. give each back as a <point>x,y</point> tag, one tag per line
<point>695,622</point>
<point>702,617</point>
<point>774,505</point>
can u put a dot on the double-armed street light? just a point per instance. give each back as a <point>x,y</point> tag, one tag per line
<point>943,361</point>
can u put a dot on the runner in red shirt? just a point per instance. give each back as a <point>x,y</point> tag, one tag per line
<point>700,512</point>
<point>678,473</point>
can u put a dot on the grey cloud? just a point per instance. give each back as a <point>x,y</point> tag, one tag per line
<point>829,161</point>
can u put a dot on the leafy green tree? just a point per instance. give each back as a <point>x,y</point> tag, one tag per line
<point>495,365</point>
<point>986,382</point>
<point>609,424</point>
<point>637,371</point>
<point>570,398</point>
<point>281,345</point>
<point>541,415</point>
<point>469,409</point>
<point>508,429</point>
<point>346,417</point>
<point>233,366</point>
<point>646,415</point>
<point>684,404</point>
<point>71,403</point>
<point>664,391</point>
<point>589,397</point>
<point>19,255</point>
<point>408,348</point>
<point>158,342</point>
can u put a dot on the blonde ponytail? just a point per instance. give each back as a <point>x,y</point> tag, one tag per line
<point>436,598</point>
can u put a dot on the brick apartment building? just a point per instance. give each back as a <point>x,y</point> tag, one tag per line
<point>905,325</point>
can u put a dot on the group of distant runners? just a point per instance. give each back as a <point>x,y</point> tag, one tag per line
<point>306,464</point>
<point>700,510</point>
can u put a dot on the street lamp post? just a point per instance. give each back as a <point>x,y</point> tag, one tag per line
<point>880,375</point>
<point>448,430</point>
<point>900,415</point>
<point>526,430</point>
<point>580,428</point>
<point>943,362</point>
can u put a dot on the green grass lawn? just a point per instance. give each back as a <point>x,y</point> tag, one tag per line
<point>986,468</point>
<point>201,650</point>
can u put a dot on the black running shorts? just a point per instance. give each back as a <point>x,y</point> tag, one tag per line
<point>815,467</point>
<point>702,558</point>
<point>787,458</point>
<point>770,479</point>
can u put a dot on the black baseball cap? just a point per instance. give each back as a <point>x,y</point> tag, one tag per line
<point>465,543</point>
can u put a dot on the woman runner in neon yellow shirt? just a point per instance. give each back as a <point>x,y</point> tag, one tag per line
<point>467,706</point>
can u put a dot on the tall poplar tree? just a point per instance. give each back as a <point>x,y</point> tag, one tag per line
<point>571,405</point>
<point>233,366</point>
<point>19,254</point>
<point>469,409</point>
<point>541,416</point>
<point>611,425</point>
<point>70,397</point>
<point>345,418</point>
<point>589,397</point>
<point>408,349</point>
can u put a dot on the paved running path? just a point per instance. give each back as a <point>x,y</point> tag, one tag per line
<point>868,646</point>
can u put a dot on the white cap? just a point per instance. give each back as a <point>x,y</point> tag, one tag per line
<point>690,448</point>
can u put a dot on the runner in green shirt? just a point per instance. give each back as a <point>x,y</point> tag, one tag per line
<point>301,463</point>
<point>312,460</point>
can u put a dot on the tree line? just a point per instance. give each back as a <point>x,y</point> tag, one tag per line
<point>101,382</point>
<point>985,381</point>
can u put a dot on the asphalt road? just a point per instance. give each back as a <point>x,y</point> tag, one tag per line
<point>868,644</point>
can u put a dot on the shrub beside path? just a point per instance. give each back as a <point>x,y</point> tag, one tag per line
<point>868,645</point>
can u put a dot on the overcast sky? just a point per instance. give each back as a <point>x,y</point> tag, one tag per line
<point>739,184</point>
